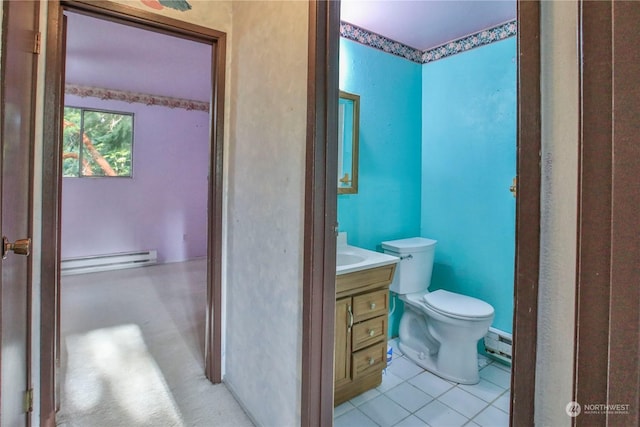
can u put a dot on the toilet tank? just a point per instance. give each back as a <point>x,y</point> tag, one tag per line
<point>413,272</point>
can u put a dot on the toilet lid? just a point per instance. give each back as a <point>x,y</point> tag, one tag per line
<point>457,305</point>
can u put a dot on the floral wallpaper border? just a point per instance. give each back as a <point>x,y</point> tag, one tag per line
<point>376,41</point>
<point>135,97</point>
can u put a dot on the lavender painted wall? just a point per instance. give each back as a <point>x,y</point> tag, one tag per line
<point>164,205</point>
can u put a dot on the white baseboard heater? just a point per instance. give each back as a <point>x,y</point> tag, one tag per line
<point>498,344</point>
<point>95,263</point>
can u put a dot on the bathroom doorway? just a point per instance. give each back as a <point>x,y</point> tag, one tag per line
<point>439,166</point>
<point>210,180</point>
<point>527,207</point>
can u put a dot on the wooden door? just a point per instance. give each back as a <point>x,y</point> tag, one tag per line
<point>20,20</point>
<point>344,318</point>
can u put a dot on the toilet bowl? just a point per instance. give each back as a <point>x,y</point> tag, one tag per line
<point>439,330</point>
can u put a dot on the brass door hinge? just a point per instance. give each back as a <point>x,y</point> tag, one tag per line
<point>514,187</point>
<point>28,400</point>
<point>36,43</point>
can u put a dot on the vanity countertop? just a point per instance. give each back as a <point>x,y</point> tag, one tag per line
<point>352,258</point>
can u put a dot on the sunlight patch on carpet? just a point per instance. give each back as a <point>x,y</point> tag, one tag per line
<point>112,379</point>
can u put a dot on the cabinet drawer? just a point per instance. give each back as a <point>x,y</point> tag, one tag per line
<point>370,305</point>
<point>369,332</point>
<point>369,360</point>
<point>364,280</point>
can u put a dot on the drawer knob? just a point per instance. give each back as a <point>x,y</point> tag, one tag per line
<point>373,306</point>
<point>371,361</point>
<point>371,332</point>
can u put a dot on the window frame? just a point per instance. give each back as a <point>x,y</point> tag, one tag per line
<point>99,110</point>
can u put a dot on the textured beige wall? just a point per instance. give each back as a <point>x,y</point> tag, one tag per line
<point>214,14</point>
<point>266,208</point>
<point>556,302</point>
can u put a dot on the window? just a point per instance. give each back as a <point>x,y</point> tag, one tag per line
<point>96,143</point>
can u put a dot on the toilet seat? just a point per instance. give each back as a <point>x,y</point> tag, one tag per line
<point>457,305</point>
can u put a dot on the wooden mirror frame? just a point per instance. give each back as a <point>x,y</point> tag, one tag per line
<point>355,142</point>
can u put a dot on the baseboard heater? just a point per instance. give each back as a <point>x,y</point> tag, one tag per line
<point>498,344</point>
<point>95,263</point>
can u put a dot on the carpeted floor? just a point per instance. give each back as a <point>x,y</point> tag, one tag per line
<point>132,351</point>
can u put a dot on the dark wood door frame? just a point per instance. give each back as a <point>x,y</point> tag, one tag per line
<point>525,311</point>
<point>320,215</point>
<point>51,180</point>
<point>607,337</point>
<point>321,199</point>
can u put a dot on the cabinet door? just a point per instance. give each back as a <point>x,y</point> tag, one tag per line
<point>342,355</point>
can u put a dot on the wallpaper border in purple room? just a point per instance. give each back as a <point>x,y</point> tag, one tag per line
<point>463,44</point>
<point>135,97</point>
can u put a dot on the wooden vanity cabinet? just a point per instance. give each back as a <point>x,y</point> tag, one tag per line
<point>362,321</point>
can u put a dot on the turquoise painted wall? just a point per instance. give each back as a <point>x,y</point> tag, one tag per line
<point>468,162</point>
<point>387,205</point>
<point>437,155</point>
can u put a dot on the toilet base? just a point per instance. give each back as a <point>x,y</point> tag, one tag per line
<point>453,359</point>
<point>430,363</point>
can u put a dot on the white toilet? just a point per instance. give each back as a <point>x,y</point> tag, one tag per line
<point>439,330</point>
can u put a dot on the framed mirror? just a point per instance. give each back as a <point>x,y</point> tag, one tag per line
<point>348,135</point>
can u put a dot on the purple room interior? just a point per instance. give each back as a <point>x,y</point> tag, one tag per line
<point>163,206</point>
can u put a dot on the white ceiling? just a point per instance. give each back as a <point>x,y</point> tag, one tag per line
<point>424,24</point>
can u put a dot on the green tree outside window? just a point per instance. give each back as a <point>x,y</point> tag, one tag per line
<point>96,143</point>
